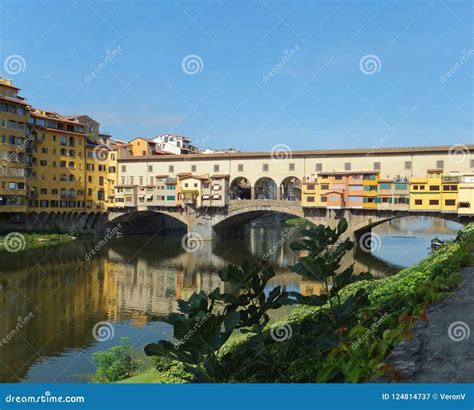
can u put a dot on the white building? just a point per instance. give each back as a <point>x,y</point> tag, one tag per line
<point>173,143</point>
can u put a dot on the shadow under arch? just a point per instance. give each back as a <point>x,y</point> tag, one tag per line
<point>237,223</point>
<point>147,222</point>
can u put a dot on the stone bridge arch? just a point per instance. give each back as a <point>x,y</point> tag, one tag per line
<point>149,221</point>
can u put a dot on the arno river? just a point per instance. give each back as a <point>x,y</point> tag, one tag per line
<point>133,279</point>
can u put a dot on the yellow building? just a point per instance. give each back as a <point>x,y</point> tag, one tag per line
<point>308,192</point>
<point>466,195</point>
<point>15,148</point>
<point>425,192</point>
<point>96,176</point>
<point>57,180</point>
<point>370,183</point>
<point>449,193</point>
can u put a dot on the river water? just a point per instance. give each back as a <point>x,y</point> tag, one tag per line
<point>51,297</point>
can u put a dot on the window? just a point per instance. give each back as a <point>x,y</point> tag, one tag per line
<point>385,185</point>
<point>324,186</point>
<point>193,168</point>
<point>63,140</point>
<point>240,167</point>
<point>440,164</point>
<point>319,167</point>
<point>434,187</point>
<point>171,168</point>
<point>347,166</point>
<point>376,166</point>
<point>310,187</point>
<point>450,202</point>
<point>472,163</point>
<point>216,168</point>
<point>407,164</point>
<point>291,167</point>
<point>265,168</point>
<point>131,179</point>
<point>140,178</point>
<point>310,198</point>
<point>170,197</point>
<point>123,168</point>
<point>324,199</point>
<point>434,202</point>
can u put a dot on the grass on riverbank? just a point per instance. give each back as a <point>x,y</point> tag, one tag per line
<point>394,304</point>
<point>16,241</point>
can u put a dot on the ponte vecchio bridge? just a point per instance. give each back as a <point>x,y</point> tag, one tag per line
<point>216,195</point>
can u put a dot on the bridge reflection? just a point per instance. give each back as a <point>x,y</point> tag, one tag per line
<point>131,280</point>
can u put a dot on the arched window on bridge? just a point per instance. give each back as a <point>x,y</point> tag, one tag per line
<point>265,188</point>
<point>290,189</point>
<point>240,188</point>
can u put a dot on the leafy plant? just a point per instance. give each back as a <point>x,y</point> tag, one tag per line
<point>113,364</point>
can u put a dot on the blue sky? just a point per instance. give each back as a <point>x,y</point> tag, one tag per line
<point>321,94</point>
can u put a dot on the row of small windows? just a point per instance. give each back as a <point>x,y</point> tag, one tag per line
<point>377,166</point>
<point>62,204</point>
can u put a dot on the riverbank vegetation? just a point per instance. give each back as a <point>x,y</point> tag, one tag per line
<point>16,241</point>
<point>343,335</point>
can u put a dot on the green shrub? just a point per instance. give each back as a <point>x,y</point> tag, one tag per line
<point>113,364</point>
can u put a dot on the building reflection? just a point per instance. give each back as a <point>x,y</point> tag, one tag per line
<point>131,280</point>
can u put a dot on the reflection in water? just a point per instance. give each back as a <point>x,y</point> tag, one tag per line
<point>135,278</point>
